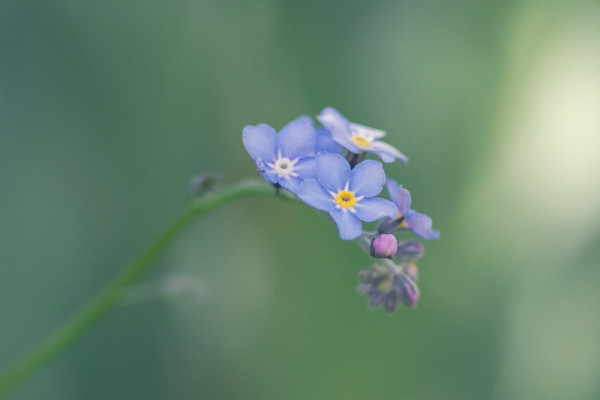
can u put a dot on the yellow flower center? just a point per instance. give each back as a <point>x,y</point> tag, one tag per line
<point>345,199</point>
<point>403,223</point>
<point>360,141</point>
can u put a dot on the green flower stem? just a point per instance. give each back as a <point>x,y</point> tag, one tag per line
<point>86,317</point>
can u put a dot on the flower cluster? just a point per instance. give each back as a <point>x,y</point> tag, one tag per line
<point>325,167</point>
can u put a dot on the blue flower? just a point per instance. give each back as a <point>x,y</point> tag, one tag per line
<point>388,287</point>
<point>347,195</point>
<point>285,159</point>
<point>419,224</point>
<point>358,138</point>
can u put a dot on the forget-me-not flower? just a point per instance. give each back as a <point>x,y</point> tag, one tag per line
<point>347,195</point>
<point>358,138</point>
<point>286,158</point>
<point>419,224</point>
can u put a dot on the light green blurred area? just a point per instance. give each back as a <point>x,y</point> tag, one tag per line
<point>108,108</point>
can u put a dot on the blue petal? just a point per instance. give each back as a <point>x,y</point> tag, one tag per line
<point>420,225</point>
<point>306,167</point>
<point>333,119</point>
<point>387,152</point>
<point>290,183</point>
<point>392,188</point>
<point>297,139</point>
<point>366,132</point>
<point>348,224</point>
<point>333,171</point>
<point>367,178</point>
<point>339,127</point>
<point>400,197</point>
<point>325,142</point>
<point>265,171</point>
<point>260,142</point>
<point>370,210</point>
<point>313,194</point>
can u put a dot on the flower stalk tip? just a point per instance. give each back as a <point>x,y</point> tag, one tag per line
<point>309,162</point>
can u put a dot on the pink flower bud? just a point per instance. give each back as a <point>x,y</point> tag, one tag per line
<point>384,246</point>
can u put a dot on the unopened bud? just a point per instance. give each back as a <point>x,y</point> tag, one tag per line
<point>390,225</point>
<point>384,246</point>
<point>406,289</point>
<point>411,270</point>
<point>409,250</point>
<point>388,286</point>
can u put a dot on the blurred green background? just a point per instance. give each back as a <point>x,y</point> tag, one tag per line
<point>107,108</point>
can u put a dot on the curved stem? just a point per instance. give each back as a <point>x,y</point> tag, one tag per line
<point>87,316</point>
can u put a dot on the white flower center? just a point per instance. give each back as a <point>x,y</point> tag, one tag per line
<point>284,167</point>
